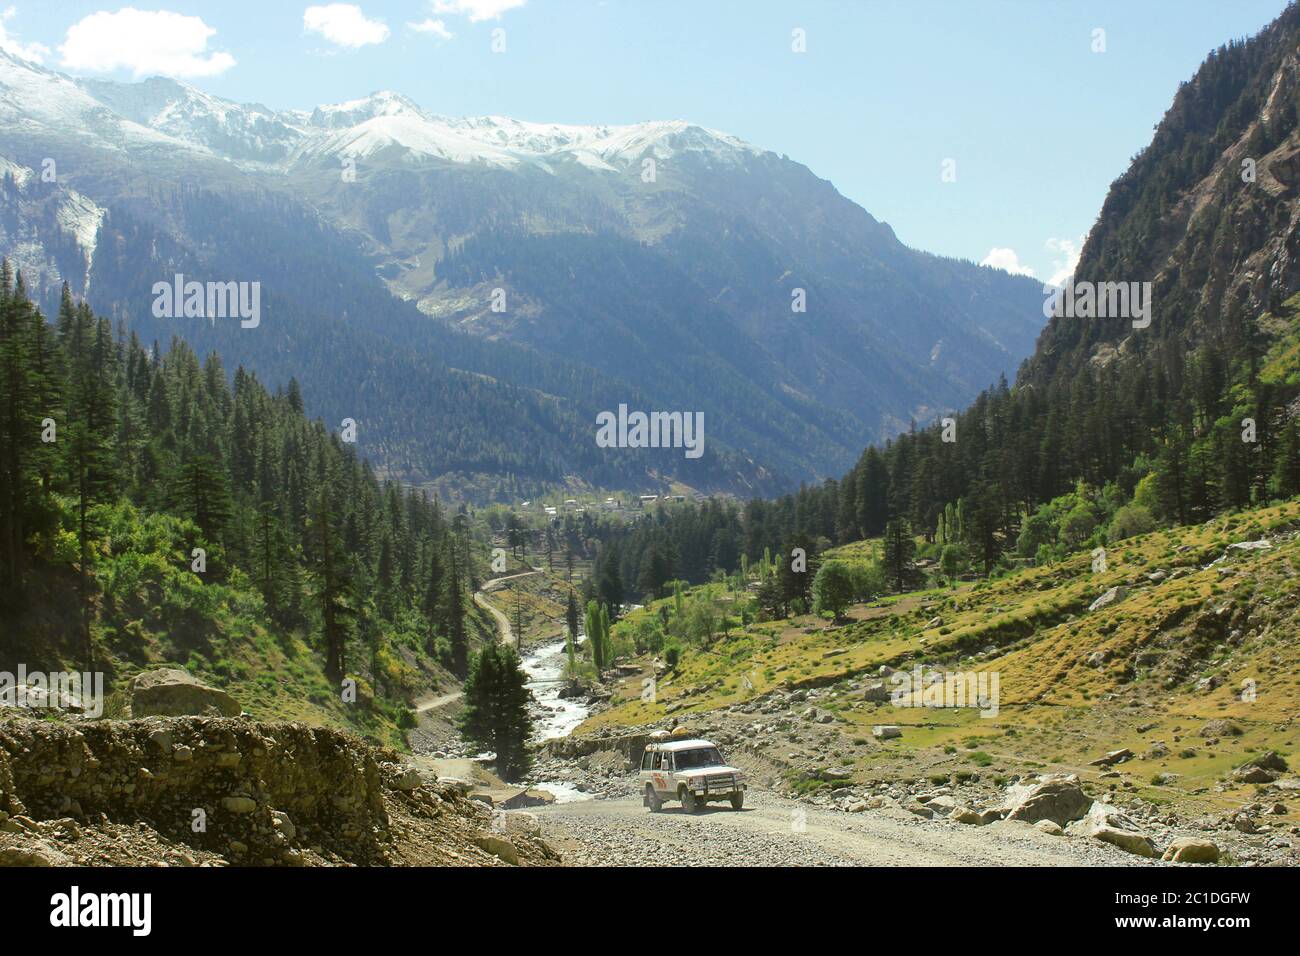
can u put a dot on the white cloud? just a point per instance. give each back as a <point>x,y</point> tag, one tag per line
<point>144,42</point>
<point>1007,260</point>
<point>28,51</point>
<point>1063,267</point>
<point>477,10</point>
<point>429,25</point>
<point>344,24</point>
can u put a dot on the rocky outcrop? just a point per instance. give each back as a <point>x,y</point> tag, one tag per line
<point>228,790</point>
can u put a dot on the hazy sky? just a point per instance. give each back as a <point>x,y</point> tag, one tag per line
<point>1037,122</point>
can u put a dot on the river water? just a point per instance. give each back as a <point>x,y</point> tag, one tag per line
<point>553,715</point>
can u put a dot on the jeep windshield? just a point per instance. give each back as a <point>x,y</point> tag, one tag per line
<point>693,759</point>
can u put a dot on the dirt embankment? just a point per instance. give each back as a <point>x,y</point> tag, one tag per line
<point>217,791</point>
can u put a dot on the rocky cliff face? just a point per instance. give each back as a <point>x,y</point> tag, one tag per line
<point>1207,213</point>
<point>215,791</point>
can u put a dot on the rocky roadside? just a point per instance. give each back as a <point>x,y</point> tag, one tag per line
<point>784,737</point>
<point>220,791</point>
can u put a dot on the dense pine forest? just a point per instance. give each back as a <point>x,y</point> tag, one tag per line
<point>1033,472</point>
<point>149,498</point>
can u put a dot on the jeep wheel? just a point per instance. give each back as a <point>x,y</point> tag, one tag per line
<point>737,799</point>
<point>689,803</point>
<point>652,799</point>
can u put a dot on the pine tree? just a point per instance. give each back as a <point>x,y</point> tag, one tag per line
<point>337,609</point>
<point>496,716</point>
<point>202,494</point>
<point>434,607</point>
<point>454,609</point>
<point>900,553</point>
<point>91,410</point>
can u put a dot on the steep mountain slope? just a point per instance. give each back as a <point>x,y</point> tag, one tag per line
<point>48,232</point>
<point>1194,394</point>
<point>1207,212</point>
<point>653,265</point>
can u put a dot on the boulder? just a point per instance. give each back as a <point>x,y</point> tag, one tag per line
<point>1220,728</point>
<point>170,692</point>
<point>280,820</point>
<point>886,731</point>
<point>1049,827</point>
<point>1056,797</point>
<point>1112,758</point>
<point>877,693</point>
<point>401,777</point>
<point>1191,850</point>
<point>1260,545</point>
<point>35,697</point>
<point>39,854</point>
<point>920,809</point>
<point>1269,760</point>
<point>833,774</point>
<point>1106,823</point>
<point>1253,774</point>
<point>1109,599</point>
<point>499,847</point>
<point>239,804</point>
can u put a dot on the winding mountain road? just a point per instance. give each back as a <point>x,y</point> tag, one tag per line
<point>504,630</point>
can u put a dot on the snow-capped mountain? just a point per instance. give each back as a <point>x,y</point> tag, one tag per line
<point>232,131</point>
<point>362,128</point>
<point>160,112</point>
<point>381,226</point>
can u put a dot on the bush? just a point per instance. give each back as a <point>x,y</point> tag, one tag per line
<point>833,589</point>
<point>1130,521</point>
<point>1078,526</point>
<point>953,561</point>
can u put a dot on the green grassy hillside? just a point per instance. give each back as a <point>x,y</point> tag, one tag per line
<point>1203,631</point>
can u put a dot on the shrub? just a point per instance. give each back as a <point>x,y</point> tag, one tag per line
<point>1130,521</point>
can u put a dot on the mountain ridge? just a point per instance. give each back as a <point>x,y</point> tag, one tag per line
<point>441,213</point>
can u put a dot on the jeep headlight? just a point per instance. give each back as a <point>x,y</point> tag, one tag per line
<point>695,783</point>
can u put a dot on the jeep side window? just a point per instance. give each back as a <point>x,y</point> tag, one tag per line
<point>668,762</point>
<point>645,760</point>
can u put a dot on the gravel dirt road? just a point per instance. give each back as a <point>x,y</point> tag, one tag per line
<point>774,831</point>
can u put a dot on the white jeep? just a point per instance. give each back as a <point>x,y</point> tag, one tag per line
<point>691,771</point>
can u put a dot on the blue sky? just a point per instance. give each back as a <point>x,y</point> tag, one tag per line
<point>1038,124</point>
